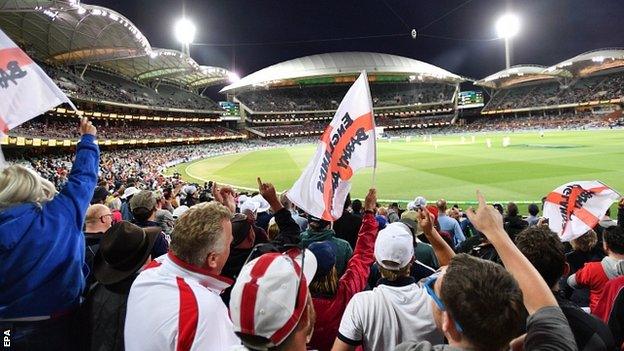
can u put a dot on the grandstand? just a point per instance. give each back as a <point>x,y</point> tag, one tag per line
<point>592,80</point>
<point>299,96</point>
<point>135,93</point>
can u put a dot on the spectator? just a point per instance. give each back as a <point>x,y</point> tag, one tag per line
<point>393,213</point>
<point>124,250</point>
<point>449,225</point>
<point>99,195</point>
<point>595,275</point>
<point>244,237</point>
<point>175,302</point>
<point>330,294</point>
<point>398,309</point>
<point>356,207</point>
<point>97,221</point>
<point>546,253</point>
<point>319,230</point>
<point>584,249</point>
<point>514,223</point>
<point>43,249</point>
<point>348,225</point>
<point>287,204</point>
<point>495,298</point>
<point>143,207</point>
<point>533,212</point>
<point>271,306</point>
<point>115,206</point>
<point>165,221</point>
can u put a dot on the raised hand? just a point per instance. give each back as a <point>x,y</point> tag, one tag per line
<point>487,220</point>
<point>267,190</point>
<point>370,202</point>
<point>87,127</point>
<point>225,196</point>
<point>425,220</point>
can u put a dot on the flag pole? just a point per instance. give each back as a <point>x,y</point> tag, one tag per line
<point>370,99</point>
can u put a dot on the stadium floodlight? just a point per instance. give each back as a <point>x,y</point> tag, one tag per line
<point>233,77</point>
<point>184,31</point>
<point>507,26</point>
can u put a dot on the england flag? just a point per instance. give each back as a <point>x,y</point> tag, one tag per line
<point>347,145</point>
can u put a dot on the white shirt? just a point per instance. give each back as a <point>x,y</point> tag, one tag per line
<point>388,315</point>
<point>175,306</point>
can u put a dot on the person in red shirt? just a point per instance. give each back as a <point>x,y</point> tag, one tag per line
<point>595,275</point>
<point>331,295</point>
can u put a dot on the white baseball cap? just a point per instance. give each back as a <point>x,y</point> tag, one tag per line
<point>249,206</point>
<point>420,202</point>
<point>179,211</point>
<point>131,191</point>
<point>263,205</point>
<point>242,199</point>
<point>265,301</point>
<point>395,244</point>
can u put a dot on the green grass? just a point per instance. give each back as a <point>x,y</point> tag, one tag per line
<point>525,171</point>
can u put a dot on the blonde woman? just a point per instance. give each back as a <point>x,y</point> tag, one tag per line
<point>42,249</point>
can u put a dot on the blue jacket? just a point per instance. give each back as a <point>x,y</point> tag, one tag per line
<point>42,249</point>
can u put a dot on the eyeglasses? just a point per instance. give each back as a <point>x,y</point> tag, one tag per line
<point>429,283</point>
<point>106,215</point>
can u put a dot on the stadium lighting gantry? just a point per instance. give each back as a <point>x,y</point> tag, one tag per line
<point>507,26</point>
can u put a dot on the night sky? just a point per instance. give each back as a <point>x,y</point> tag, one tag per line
<point>552,30</point>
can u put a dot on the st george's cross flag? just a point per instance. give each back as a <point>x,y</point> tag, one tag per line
<point>576,207</point>
<point>25,90</point>
<point>347,145</point>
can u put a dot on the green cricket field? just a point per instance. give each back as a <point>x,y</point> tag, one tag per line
<point>447,166</point>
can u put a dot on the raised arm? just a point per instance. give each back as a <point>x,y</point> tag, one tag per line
<point>358,268</point>
<point>442,250</point>
<point>288,229</point>
<point>78,191</point>
<point>489,221</point>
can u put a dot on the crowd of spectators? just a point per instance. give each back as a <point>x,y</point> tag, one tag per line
<point>603,87</point>
<point>328,97</point>
<point>61,128</point>
<point>94,85</point>
<point>118,261</point>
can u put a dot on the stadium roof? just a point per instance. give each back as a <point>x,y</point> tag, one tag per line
<point>66,32</point>
<point>342,63</point>
<point>167,65</point>
<point>591,62</point>
<point>517,75</point>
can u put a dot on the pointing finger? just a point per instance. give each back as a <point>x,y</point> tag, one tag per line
<point>481,198</point>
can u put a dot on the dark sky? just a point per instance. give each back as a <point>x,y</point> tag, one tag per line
<point>552,30</point>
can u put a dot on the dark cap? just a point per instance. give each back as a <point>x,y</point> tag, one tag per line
<point>99,195</point>
<point>240,229</point>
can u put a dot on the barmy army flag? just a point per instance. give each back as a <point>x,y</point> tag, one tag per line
<point>576,207</point>
<point>347,145</point>
<point>25,90</point>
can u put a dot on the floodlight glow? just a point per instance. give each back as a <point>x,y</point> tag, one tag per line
<point>233,77</point>
<point>507,26</point>
<point>184,31</point>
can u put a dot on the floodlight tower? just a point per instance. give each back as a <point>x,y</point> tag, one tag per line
<point>184,31</point>
<point>507,26</point>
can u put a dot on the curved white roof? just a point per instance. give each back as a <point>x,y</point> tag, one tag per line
<point>517,75</point>
<point>590,62</point>
<point>342,63</point>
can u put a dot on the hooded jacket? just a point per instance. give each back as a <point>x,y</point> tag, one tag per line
<point>329,310</point>
<point>42,249</point>
<point>343,249</point>
<point>595,276</point>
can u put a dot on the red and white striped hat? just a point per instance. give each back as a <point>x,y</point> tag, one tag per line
<point>270,293</point>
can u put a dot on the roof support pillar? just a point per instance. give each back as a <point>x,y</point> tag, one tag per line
<point>83,71</point>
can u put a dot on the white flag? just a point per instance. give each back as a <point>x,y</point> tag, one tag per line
<point>25,90</point>
<point>347,145</point>
<point>574,208</point>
